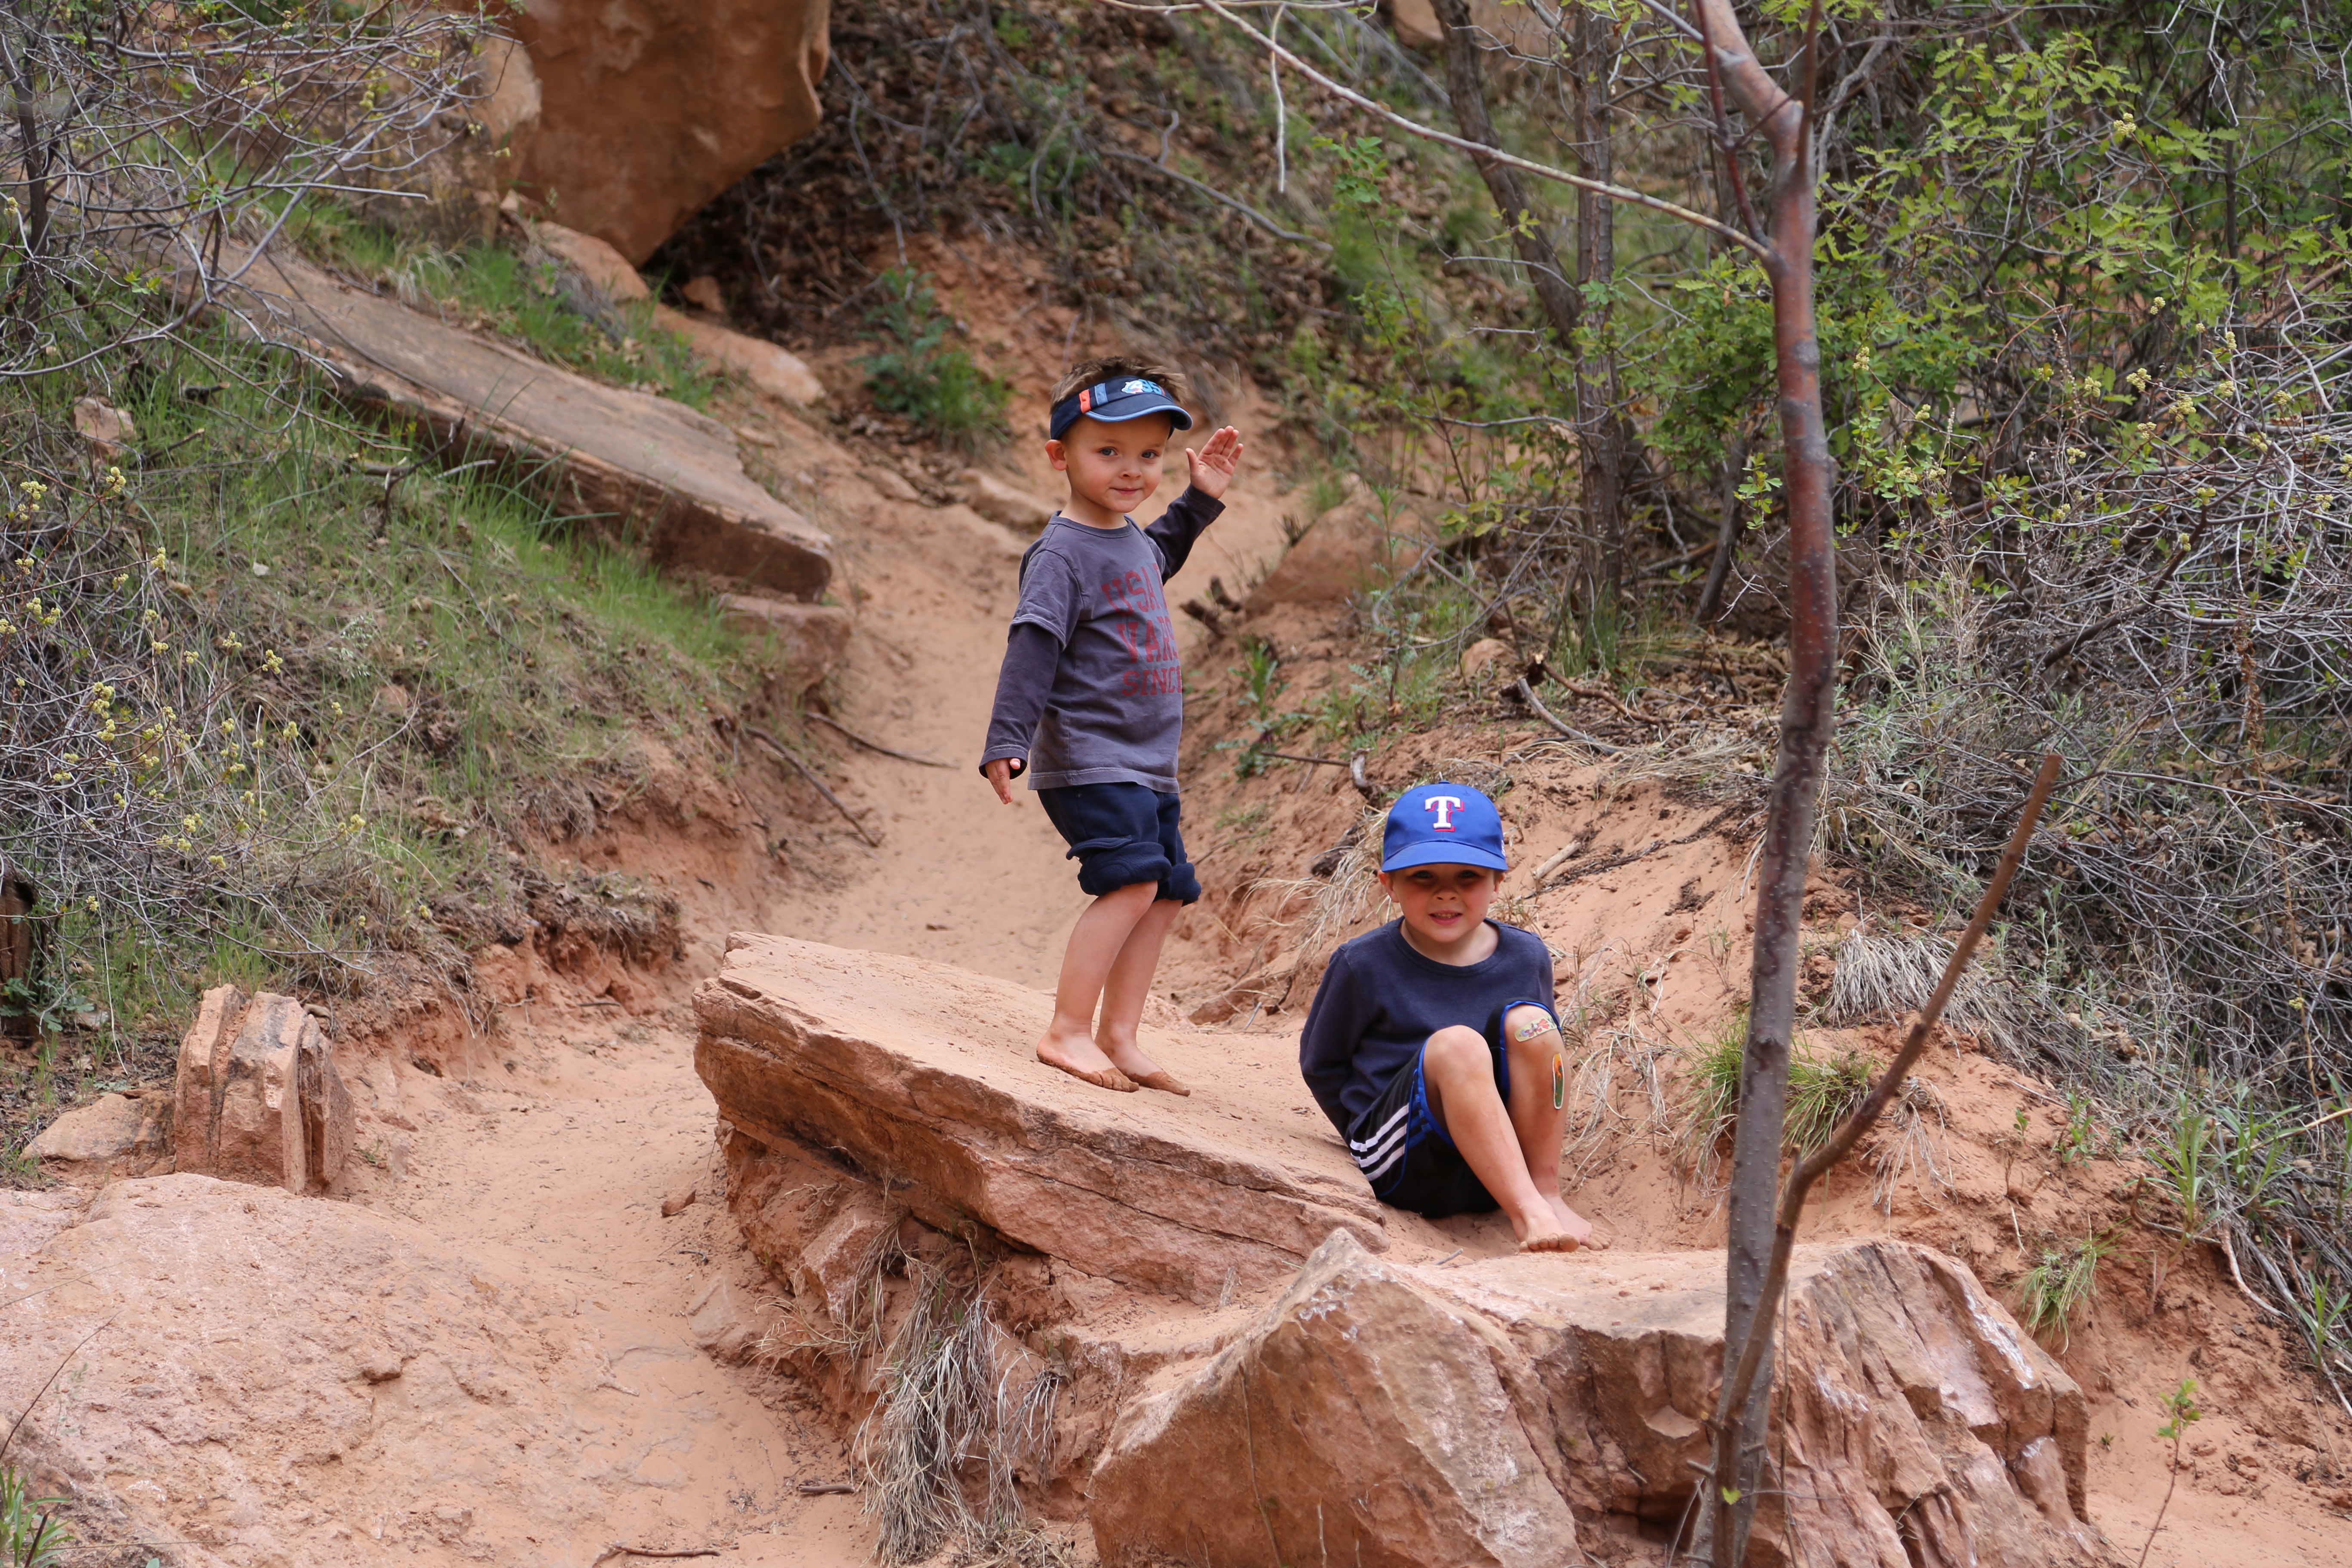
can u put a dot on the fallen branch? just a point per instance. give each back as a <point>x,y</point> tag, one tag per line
<point>876,745</point>
<point>827,1489</point>
<point>1357,776</point>
<point>1693,836</point>
<point>757,733</point>
<point>1528,695</point>
<point>617,1550</point>
<point>1737,1386</point>
<point>1567,851</point>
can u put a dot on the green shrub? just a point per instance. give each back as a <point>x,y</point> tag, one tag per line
<point>919,372</point>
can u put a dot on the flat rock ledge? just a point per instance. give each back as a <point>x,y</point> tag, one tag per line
<point>1541,1412</point>
<point>655,473</point>
<point>923,1077</point>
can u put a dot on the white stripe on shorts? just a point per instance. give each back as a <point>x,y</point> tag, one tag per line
<point>1385,1138</point>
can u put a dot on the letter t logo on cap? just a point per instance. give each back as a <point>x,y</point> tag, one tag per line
<point>1445,806</point>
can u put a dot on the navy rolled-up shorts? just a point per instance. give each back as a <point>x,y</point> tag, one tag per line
<point>1410,1159</point>
<point>1122,834</point>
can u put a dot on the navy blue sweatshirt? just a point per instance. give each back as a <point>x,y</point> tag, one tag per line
<point>1381,1001</point>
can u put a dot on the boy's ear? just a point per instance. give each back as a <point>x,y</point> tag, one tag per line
<point>1059,455</point>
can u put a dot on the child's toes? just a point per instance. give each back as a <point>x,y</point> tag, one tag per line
<point>1554,1241</point>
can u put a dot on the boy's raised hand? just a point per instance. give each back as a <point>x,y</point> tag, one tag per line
<point>1211,468</point>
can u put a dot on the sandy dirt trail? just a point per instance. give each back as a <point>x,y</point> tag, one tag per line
<point>557,1165</point>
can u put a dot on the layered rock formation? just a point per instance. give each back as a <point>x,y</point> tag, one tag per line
<point>653,473</point>
<point>888,1133</point>
<point>648,109</point>
<point>1533,1412</point>
<point>924,1077</point>
<point>258,1097</point>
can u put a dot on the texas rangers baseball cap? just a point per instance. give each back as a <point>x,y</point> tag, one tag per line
<point>1116,402</point>
<point>1443,825</point>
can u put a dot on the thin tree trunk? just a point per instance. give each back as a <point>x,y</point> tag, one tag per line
<point>1726,534</point>
<point>1465,86</point>
<point>1604,441</point>
<point>27,288</point>
<point>1807,716</point>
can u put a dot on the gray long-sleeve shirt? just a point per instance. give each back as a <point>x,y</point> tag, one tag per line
<point>1092,688</point>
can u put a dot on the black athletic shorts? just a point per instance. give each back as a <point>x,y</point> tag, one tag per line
<point>1122,834</point>
<point>1407,1156</point>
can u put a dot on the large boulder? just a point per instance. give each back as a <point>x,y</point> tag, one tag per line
<point>1538,1411</point>
<point>1355,544</point>
<point>257,1098</point>
<point>924,1077</point>
<point>648,109</point>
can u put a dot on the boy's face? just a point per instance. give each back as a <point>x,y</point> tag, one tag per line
<point>1442,904</point>
<point>1113,469</point>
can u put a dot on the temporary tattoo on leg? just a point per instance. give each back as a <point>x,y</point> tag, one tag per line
<point>1558,1081</point>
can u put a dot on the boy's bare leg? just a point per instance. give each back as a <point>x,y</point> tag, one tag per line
<point>1129,988</point>
<point>1538,1070</point>
<point>1095,946</point>
<point>1459,1070</point>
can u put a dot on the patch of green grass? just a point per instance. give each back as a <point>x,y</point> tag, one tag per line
<point>918,371</point>
<point>387,687</point>
<point>2061,1284</point>
<point>30,1534</point>
<point>1824,1090</point>
<point>1260,675</point>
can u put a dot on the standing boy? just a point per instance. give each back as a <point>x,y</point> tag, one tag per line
<point>1432,1045</point>
<point>1090,703</point>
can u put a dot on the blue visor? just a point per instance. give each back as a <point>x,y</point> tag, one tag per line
<point>1114,402</point>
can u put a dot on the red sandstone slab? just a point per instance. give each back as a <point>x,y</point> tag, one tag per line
<point>924,1074</point>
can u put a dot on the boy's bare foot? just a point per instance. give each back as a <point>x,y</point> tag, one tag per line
<point>1164,1082</point>
<point>1555,1227</point>
<point>1577,1225</point>
<point>1082,1059</point>
<point>1129,1057</point>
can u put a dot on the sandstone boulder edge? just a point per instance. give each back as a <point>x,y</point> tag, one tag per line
<point>923,1077</point>
<point>257,1098</point>
<point>1527,1412</point>
<point>649,472</point>
<point>648,109</point>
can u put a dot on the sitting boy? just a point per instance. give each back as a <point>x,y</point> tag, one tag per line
<point>1431,1044</point>
<point>1091,699</point>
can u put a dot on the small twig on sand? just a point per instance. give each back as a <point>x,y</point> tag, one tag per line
<point>809,773</point>
<point>827,1489</point>
<point>875,746</point>
<point>1567,852</point>
<point>616,1550</point>
<point>1528,695</point>
<point>1357,776</point>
